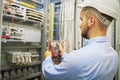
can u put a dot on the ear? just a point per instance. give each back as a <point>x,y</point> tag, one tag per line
<point>91,21</point>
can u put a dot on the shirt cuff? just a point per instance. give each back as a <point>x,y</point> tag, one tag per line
<point>48,59</point>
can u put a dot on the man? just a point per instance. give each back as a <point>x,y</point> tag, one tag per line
<point>97,60</point>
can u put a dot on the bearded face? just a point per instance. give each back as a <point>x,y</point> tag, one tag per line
<point>84,32</point>
<point>84,26</point>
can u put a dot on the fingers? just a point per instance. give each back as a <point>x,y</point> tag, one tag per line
<point>60,48</point>
<point>47,53</point>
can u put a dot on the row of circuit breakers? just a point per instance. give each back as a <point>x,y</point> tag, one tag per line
<point>20,58</point>
<point>18,73</point>
<point>20,34</point>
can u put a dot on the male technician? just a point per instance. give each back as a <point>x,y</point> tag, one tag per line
<point>97,60</point>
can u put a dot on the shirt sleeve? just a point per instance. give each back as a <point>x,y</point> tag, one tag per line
<point>49,69</point>
<point>61,71</point>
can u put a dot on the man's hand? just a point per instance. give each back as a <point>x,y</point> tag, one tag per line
<point>47,53</point>
<point>60,48</point>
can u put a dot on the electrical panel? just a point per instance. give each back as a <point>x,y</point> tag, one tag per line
<point>22,25</point>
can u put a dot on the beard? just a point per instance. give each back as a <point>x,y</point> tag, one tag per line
<point>85,33</point>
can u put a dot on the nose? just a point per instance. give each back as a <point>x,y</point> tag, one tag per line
<point>80,26</point>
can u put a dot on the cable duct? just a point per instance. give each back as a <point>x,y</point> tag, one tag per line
<point>67,24</point>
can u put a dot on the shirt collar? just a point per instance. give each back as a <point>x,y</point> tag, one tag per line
<point>96,40</point>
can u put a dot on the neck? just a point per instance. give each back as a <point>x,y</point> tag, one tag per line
<point>96,33</point>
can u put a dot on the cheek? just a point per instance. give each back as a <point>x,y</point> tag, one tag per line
<point>83,27</point>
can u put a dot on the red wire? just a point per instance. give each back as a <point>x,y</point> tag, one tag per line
<point>12,23</point>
